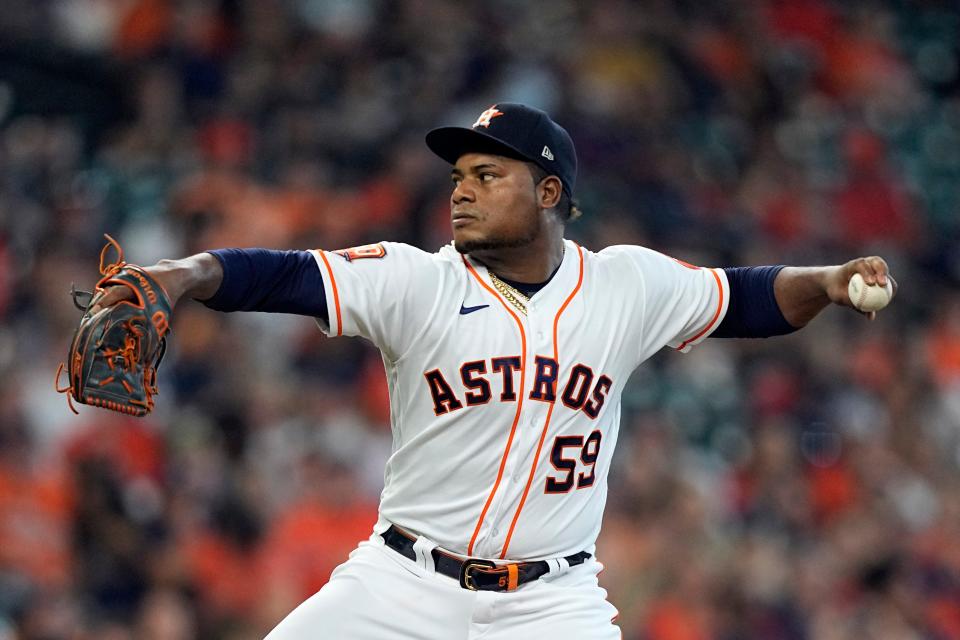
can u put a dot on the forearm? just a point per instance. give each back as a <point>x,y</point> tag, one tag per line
<point>802,292</point>
<point>752,311</point>
<point>268,280</point>
<point>198,276</point>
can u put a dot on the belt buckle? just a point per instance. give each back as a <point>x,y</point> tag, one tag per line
<point>466,572</point>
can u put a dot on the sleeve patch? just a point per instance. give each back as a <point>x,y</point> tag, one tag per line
<point>366,251</point>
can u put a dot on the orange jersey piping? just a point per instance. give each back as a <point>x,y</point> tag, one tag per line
<point>715,315</point>
<point>336,294</point>
<point>516,417</point>
<point>546,424</point>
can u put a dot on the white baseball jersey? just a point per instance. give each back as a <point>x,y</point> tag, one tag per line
<point>504,424</point>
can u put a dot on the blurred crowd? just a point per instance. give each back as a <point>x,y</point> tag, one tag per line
<point>804,487</point>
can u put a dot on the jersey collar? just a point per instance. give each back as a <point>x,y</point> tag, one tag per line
<point>561,275</point>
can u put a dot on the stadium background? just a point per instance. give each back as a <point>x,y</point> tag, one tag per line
<point>803,487</point>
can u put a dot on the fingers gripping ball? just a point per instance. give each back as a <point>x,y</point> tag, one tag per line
<point>868,297</point>
<point>115,352</point>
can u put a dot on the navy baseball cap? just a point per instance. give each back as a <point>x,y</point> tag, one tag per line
<point>516,131</point>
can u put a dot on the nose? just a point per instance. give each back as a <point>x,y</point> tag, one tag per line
<point>462,193</point>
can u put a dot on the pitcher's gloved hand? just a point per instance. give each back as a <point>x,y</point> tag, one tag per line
<point>115,352</point>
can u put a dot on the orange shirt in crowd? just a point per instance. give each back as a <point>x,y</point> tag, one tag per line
<point>34,524</point>
<point>310,539</point>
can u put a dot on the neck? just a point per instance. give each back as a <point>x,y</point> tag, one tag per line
<point>531,264</point>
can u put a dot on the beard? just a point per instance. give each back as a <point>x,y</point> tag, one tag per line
<point>495,244</point>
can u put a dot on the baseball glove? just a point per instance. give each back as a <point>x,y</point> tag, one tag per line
<point>115,351</point>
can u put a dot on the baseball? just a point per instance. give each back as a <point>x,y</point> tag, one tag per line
<point>869,297</point>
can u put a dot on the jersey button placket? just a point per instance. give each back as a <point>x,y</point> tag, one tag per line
<point>532,431</point>
<point>514,472</point>
<point>511,487</point>
<point>507,493</point>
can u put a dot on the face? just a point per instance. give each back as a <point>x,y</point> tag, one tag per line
<point>494,204</point>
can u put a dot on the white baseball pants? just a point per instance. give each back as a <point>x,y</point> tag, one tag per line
<point>378,594</point>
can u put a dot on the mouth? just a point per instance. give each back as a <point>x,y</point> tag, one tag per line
<point>461,218</point>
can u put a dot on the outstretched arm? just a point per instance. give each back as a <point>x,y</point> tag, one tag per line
<point>776,300</point>
<point>803,292</point>
<point>198,276</point>
<point>241,280</point>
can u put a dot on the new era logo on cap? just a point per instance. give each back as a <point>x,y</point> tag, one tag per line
<point>516,131</point>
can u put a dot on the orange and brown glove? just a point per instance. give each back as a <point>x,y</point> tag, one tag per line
<point>116,350</point>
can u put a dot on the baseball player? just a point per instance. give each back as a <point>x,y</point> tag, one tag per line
<point>506,352</point>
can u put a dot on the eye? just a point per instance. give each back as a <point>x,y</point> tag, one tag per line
<point>486,177</point>
<point>456,180</point>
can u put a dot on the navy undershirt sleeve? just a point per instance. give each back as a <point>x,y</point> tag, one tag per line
<point>753,311</point>
<point>267,280</point>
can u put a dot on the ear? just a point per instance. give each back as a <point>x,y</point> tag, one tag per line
<point>549,191</point>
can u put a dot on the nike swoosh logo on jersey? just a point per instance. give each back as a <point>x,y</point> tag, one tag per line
<point>465,310</point>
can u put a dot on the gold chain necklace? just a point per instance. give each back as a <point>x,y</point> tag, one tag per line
<point>513,296</point>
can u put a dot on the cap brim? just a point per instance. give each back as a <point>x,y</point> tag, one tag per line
<point>452,142</point>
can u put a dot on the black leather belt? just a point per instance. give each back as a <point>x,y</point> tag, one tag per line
<point>475,574</point>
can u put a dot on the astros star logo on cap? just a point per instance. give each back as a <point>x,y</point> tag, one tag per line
<point>486,116</point>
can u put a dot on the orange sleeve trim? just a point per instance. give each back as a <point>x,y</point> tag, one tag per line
<point>546,424</point>
<point>516,417</point>
<point>715,315</point>
<point>685,264</point>
<point>336,293</point>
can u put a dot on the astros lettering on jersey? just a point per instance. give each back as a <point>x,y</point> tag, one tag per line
<point>504,423</point>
